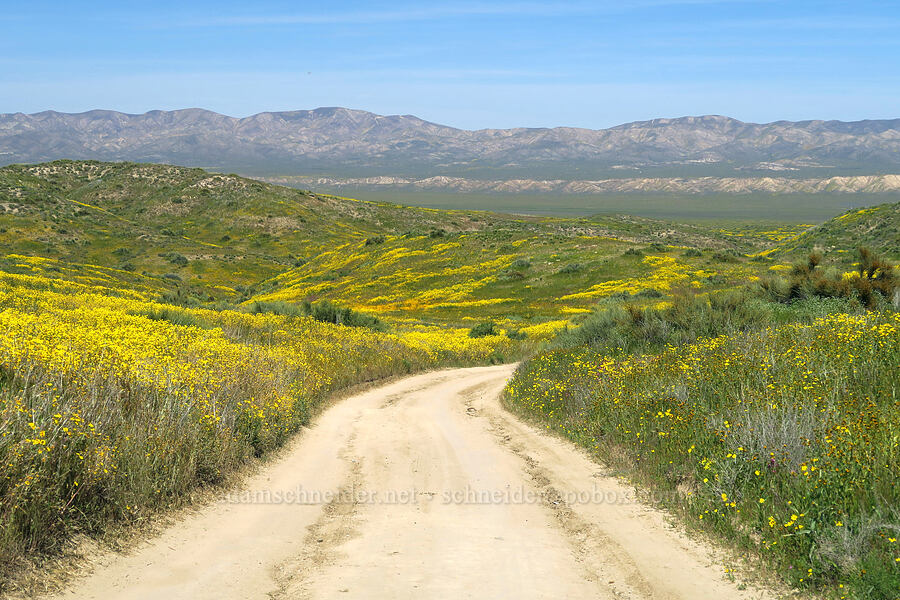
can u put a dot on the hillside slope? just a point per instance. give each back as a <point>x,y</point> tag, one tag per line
<point>219,236</point>
<point>877,228</point>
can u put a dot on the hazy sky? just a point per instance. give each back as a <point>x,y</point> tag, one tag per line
<point>467,64</point>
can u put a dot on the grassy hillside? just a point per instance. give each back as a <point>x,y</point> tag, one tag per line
<point>192,234</point>
<point>505,272</point>
<point>765,414</point>
<point>201,227</point>
<point>781,438</point>
<point>876,227</point>
<point>113,405</point>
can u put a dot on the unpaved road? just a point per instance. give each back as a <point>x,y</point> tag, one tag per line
<point>443,495</point>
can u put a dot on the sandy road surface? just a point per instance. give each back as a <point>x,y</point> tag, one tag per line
<point>424,488</point>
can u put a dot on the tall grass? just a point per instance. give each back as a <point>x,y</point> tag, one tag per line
<point>769,413</point>
<point>112,408</point>
<point>783,439</point>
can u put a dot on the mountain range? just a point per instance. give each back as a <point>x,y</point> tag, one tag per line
<point>345,143</point>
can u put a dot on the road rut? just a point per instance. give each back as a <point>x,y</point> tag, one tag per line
<point>422,488</point>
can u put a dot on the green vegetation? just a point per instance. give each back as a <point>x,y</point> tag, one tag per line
<point>485,329</point>
<point>876,227</point>
<point>710,208</point>
<point>768,414</point>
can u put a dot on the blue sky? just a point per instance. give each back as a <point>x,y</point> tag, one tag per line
<point>467,64</point>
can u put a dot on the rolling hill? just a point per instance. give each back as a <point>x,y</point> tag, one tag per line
<point>876,227</point>
<point>203,237</point>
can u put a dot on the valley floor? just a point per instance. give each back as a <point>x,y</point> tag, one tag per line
<point>423,488</point>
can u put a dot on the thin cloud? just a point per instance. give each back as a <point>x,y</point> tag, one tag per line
<point>399,16</point>
<point>465,10</point>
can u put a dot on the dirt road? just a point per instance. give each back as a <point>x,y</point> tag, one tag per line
<point>424,488</point>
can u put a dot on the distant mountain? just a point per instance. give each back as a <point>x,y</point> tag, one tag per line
<point>340,142</point>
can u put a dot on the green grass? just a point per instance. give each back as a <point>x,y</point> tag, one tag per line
<point>766,418</point>
<point>682,208</point>
<point>876,227</point>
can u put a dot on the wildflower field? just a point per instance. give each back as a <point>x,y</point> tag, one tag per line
<point>113,405</point>
<point>784,439</point>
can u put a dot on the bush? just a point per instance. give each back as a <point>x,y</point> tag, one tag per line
<point>516,334</point>
<point>632,252</point>
<point>179,260</point>
<point>521,263</point>
<point>171,315</point>
<point>874,282</point>
<point>375,239</point>
<point>692,253</point>
<point>729,257</point>
<point>631,328</point>
<point>571,268</point>
<point>509,275</point>
<point>483,330</point>
<point>276,308</point>
<point>326,312</point>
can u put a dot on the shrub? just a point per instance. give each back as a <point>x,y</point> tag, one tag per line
<point>521,263</point>
<point>375,239</point>
<point>571,268</point>
<point>179,260</point>
<point>516,334</point>
<point>171,315</point>
<point>729,257</point>
<point>509,275</point>
<point>632,328</point>
<point>632,252</point>
<point>286,309</point>
<point>483,330</point>
<point>326,312</point>
<point>874,282</point>
<point>692,253</point>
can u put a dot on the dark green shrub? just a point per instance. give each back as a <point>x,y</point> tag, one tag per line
<point>327,312</point>
<point>172,315</point>
<point>483,330</point>
<point>516,334</point>
<point>726,256</point>
<point>179,260</point>
<point>279,307</point>
<point>875,282</point>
